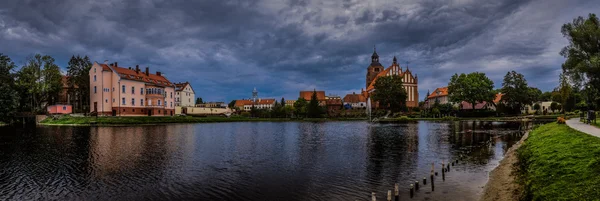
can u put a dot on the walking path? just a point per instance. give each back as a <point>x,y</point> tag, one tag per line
<point>586,128</point>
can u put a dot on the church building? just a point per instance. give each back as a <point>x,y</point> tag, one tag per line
<point>410,82</point>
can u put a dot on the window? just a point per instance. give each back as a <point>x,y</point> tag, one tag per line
<point>177,93</point>
<point>142,102</point>
<point>142,91</point>
<point>159,102</point>
<point>113,89</point>
<point>94,78</point>
<point>132,90</point>
<point>171,94</point>
<point>171,104</point>
<point>149,102</point>
<point>133,101</point>
<point>123,101</point>
<point>64,107</point>
<point>113,100</point>
<point>106,100</point>
<point>94,70</point>
<point>123,89</point>
<point>94,89</point>
<point>133,110</point>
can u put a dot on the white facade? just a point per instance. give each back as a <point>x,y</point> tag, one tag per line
<point>185,95</point>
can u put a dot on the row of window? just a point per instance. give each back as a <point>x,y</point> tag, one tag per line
<point>148,91</point>
<point>159,102</point>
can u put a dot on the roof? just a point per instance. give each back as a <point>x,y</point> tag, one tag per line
<point>443,91</point>
<point>181,85</point>
<point>354,98</point>
<point>498,97</point>
<point>333,102</point>
<point>307,95</point>
<point>241,103</point>
<point>383,73</point>
<point>468,106</point>
<point>131,74</point>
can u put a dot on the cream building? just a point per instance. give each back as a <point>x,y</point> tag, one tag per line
<point>184,95</point>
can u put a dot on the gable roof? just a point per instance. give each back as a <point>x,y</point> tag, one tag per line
<point>307,95</point>
<point>180,86</point>
<point>242,103</point>
<point>131,74</point>
<point>443,91</point>
<point>384,73</point>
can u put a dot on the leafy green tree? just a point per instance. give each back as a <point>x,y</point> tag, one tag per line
<point>199,101</point>
<point>8,95</point>
<point>289,110</point>
<point>472,88</point>
<point>78,82</point>
<point>517,94</point>
<point>535,93</point>
<point>565,91</point>
<point>313,109</point>
<point>300,106</point>
<point>390,93</point>
<point>554,106</point>
<point>41,82</point>
<point>583,52</point>
<point>536,107</point>
<point>230,105</point>
<point>546,96</point>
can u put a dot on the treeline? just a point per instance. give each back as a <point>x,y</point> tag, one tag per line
<point>301,109</point>
<point>39,83</point>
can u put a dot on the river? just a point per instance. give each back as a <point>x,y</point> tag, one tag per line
<point>249,160</point>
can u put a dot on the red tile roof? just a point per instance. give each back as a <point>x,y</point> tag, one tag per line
<point>468,106</point>
<point>241,103</point>
<point>307,95</point>
<point>443,91</point>
<point>383,73</point>
<point>354,98</point>
<point>498,97</point>
<point>131,74</point>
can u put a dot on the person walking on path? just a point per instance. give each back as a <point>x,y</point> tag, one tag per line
<point>574,123</point>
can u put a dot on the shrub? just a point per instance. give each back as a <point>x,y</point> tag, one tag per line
<point>560,120</point>
<point>245,114</point>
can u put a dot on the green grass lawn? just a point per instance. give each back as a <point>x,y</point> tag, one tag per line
<point>68,120</point>
<point>559,163</point>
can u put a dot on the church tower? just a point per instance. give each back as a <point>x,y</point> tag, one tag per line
<point>373,69</point>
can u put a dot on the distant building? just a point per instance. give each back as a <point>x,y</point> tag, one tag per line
<point>123,91</point>
<point>440,95</point>
<point>410,82</point>
<point>290,102</point>
<point>334,105</point>
<point>256,102</point>
<point>184,95</point>
<point>60,109</point>
<point>354,101</point>
<point>307,95</point>
<point>483,105</point>
<point>212,105</point>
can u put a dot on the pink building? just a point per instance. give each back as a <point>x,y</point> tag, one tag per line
<point>60,109</point>
<point>119,91</point>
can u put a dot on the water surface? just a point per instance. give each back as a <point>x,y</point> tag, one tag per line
<point>249,160</point>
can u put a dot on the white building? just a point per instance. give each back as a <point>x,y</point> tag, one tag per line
<point>184,95</point>
<point>355,100</point>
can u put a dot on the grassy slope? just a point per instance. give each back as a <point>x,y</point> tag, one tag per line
<point>65,120</point>
<point>559,163</point>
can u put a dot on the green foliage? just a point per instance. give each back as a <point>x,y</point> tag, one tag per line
<point>536,107</point>
<point>199,101</point>
<point>517,93</point>
<point>546,96</point>
<point>230,105</point>
<point>559,163</point>
<point>8,95</point>
<point>313,109</point>
<point>39,81</point>
<point>78,70</point>
<point>583,52</point>
<point>390,93</point>
<point>300,107</point>
<point>472,88</point>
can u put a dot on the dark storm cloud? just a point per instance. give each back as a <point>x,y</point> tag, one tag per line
<point>226,48</point>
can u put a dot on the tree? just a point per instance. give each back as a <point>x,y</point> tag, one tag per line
<point>313,109</point>
<point>516,92</point>
<point>472,88</point>
<point>535,93</point>
<point>8,95</point>
<point>230,105</point>
<point>390,93</point>
<point>546,96</point>
<point>536,107</point>
<point>300,106</point>
<point>565,91</point>
<point>41,82</point>
<point>554,106</point>
<point>583,51</point>
<point>78,82</point>
<point>199,101</point>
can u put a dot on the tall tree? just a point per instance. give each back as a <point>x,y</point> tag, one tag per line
<point>390,93</point>
<point>472,88</point>
<point>8,94</point>
<point>565,91</point>
<point>199,101</point>
<point>313,109</point>
<point>516,92</point>
<point>230,105</point>
<point>41,81</point>
<point>300,106</point>
<point>78,82</point>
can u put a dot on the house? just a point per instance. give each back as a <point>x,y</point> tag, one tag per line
<point>440,95</point>
<point>184,95</point>
<point>483,105</point>
<point>307,95</point>
<point>354,101</point>
<point>409,82</point>
<point>120,91</point>
<point>212,105</point>
<point>290,102</point>
<point>60,109</point>
<point>544,108</point>
<point>247,105</point>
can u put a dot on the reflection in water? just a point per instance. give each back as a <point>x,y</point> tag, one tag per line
<point>248,161</point>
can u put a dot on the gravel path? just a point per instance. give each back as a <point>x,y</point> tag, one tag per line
<point>585,128</point>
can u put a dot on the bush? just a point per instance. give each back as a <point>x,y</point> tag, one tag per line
<point>245,114</point>
<point>560,120</point>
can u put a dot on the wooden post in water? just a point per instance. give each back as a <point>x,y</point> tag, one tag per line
<point>448,167</point>
<point>373,198</point>
<point>389,197</point>
<point>411,191</point>
<point>396,192</point>
<point>443,174</point>
<point>424,180</point>
<point>416,185</point>
<point>432,186</point>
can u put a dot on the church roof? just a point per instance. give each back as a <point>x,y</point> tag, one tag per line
<point>382,73</point>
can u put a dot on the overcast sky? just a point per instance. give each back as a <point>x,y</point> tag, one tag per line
<point>226,48</point>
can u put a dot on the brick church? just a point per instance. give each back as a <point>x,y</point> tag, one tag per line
<point>410,82</point>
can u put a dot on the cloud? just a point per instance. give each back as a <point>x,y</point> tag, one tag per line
<point>226,48</point>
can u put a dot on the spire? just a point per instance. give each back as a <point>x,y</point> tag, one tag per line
<point>375,58</point>
<point>394,61</point>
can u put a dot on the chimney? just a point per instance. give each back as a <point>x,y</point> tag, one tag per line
<point>129,67</point>
<point>116,64</point>
<point>137,69</point>
<point>147,71</point>
<point>354,93</point>
<point>158,73</point>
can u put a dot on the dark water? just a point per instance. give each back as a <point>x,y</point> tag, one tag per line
<point>249,161</point>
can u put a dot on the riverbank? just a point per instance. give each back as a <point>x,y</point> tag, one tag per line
<point>145,120</point>
<point>450,118</point>
<point>559,163</point>
<point>502,183</point>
